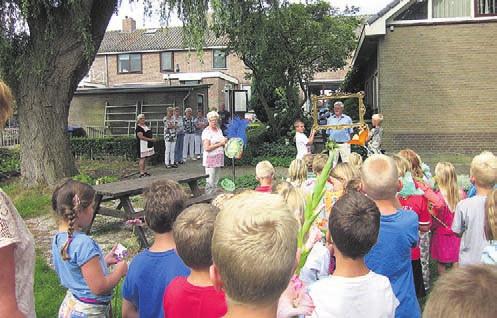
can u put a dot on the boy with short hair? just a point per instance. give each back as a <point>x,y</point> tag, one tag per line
<point>264,173</point>
<point>391,255</point>
<point>194,296</point>
<point>301,141</point>
<point>253,250</point>
<point>357,291</point>
<point>151,271</point>
<point>469,218</point>
<point>467,291</point>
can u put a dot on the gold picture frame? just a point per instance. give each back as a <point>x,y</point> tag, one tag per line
<point>339,96</point>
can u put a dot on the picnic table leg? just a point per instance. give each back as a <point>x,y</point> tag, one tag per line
<point>128,208</point>
<point>98,200</point>
<point>194,187</point>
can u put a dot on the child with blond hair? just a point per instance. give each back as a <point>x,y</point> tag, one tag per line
<point>254,248</point>
<point>194,296</point>
<point>297,173</point>
<point>445,243</point>
<point>375,134</point>
<point>469,217</point>
<point>489,255</point>
<point>301,141</point>
<point>412,199</point>
<point>355,161</point>
<point>391,255</point>
<point>293,197</point>
<point>308,159</point>
<point>264,173</point>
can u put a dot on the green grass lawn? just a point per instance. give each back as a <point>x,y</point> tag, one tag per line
<point>30,202</point>
<point>48,291</point>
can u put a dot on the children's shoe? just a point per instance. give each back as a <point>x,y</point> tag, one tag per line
<point>174,166</point>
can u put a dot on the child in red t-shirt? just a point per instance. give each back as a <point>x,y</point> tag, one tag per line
<point>194,296</point>
<point>413,199</point>
<point>264,173</point>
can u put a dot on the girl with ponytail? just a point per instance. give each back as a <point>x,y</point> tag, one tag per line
<point>79,261</point>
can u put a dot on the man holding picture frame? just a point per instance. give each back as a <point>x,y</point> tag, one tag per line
<point>340,136</point>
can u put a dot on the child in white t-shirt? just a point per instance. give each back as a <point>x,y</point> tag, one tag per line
<point>353,290</point>
<point>301,140</point>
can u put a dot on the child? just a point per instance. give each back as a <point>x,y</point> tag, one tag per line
<point>308,159</point>
<point>356,291</point>
<point>170,137</point>
<point>411,198</point>
<point>78,260</point>
<point>375,135</point>
<point>444,242</point>
<point>464,292</point>
<point>153,269</point>
<point>194,296</point>
<point>264,173</point>
<point>490,252</point>
<point>391,255</point>
<point>297,173</point>
<point>423,182</point>
<point>355,161</point>
<point>294,198</point>
<point>301,141</point>
<point>253,250</point>
<point>469,219</point>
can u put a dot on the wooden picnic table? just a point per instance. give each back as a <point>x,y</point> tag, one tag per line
<point>123,190</point>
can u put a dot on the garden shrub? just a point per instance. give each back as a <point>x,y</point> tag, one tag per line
<point>10,162</point>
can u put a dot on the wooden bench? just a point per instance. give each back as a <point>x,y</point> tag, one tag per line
<point>123,190</point>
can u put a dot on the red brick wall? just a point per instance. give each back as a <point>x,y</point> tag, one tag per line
<point>438,87</point>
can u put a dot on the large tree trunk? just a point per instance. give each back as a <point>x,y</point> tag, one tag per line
<point>56,59</point>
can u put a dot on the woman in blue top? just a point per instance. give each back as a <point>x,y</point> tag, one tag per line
<point>78,260</point>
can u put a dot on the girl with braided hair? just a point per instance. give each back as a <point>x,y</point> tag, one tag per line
<point>78,260</point>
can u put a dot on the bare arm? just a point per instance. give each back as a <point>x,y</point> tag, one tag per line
<point>8,302</point>
<point>141,137</point>
<point>311,137</point>
<point>99,283</point>
<point>209,147</point>
<point>129,310</point>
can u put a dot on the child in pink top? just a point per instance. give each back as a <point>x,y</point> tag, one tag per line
<point>445,243</point>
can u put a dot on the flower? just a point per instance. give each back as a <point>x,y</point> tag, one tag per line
<point>134,222</point>
<point>295,300</point>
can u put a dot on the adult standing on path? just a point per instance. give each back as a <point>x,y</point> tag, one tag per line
<point>213,156</point>
<point>17,246</point>
<point>189,140</point>
<point>342,136</point>
<point>145,143</point>
<point>200,124</point>
<point>180,136</point>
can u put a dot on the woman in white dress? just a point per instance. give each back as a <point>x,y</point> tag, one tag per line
<point>213,156</point>
<point>17,247</point>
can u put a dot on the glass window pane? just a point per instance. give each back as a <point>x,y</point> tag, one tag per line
<point>219,59</point>
<point>123,63</point>
<point>135,63</point>
<point>487,7</point>
<point>166,61</point>
<point>451,8</point>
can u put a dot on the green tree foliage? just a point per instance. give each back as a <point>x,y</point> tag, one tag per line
<point>284,44</point>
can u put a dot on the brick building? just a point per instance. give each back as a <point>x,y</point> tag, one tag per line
<point>430,67</point>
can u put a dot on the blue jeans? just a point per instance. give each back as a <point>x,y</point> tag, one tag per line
<point>178,150</point>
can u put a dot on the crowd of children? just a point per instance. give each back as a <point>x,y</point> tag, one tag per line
<point>237,257</point>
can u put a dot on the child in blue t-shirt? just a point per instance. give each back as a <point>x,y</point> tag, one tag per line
<point>78,260</point>
<point>391,255</point>
<point>153,269</point>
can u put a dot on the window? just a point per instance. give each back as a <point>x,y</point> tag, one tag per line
<point>129,63</point>
<point>451,8</point>
<point>189,82</point>
<point>417,11</point>
<point>485,7</point>
<point>167,61</point>
<point>219,59</point>
<point>200,102</point>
